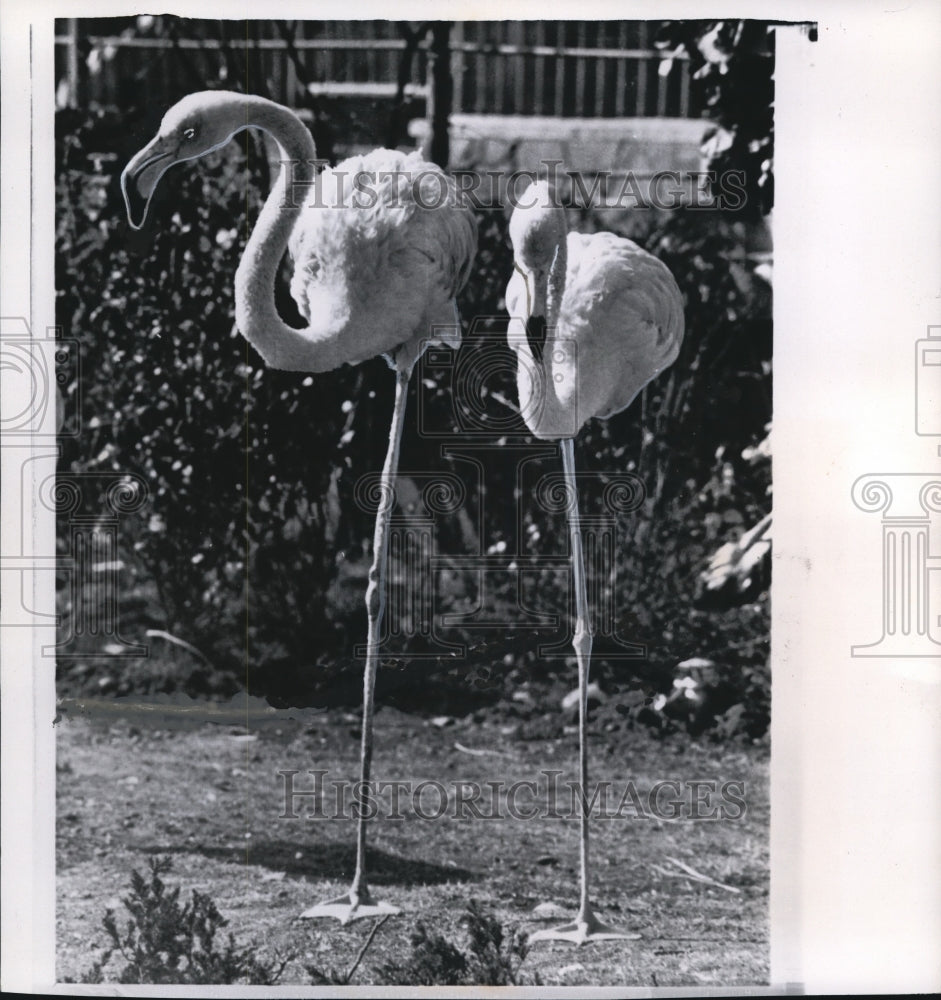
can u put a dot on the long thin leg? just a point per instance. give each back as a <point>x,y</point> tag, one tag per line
<point>586,926</point>
<point>358,902</point>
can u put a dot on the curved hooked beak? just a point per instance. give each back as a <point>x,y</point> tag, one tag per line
<point>535,283</point>
<point>535,317</point>
<point>139,178</point>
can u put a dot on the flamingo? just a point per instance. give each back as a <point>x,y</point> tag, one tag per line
<point>612,318</point>
<point>376,271</point>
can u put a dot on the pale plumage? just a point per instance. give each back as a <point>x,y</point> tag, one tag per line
<point>592,320</point>
<point>619,325</point>
<point>376,263</point>
<point>381,248</point>
<point>375,269</point>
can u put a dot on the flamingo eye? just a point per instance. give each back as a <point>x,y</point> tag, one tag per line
<point>189,133</point>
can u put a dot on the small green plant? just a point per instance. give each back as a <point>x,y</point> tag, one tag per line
<point>166,942</point>
<point>433,961</point>
<point>493,957</point>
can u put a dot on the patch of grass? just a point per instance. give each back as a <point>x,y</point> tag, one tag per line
<point>330,977</point>
<point>692,933</point>
<point>166,942</point>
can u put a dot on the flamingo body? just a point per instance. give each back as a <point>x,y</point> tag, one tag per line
<point>375,262</point>
<point>613,320</point>
<point>619,324</point>
<point>380,249</point>
<point>376,268</point>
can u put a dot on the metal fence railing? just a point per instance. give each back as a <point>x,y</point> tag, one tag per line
<point>580,69</point>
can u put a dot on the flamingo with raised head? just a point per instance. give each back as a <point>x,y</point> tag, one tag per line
<point>378,261</point>
<point>593,319</point>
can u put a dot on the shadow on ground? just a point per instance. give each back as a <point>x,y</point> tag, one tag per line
<point>327,861</point>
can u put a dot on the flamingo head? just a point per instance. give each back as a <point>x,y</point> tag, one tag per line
<point>193,127</point>
<point>538,233</point>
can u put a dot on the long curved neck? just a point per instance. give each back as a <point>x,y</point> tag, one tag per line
<point>555,288</point>
<point>280,345</point>
<point>552,417</point>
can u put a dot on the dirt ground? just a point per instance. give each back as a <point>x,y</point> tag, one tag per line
<point>137,781</point>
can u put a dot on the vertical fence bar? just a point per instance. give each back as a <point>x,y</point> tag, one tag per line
<point>580,72</point>
<point>539,106</point>
<point>480,71</point>
<point>457,65</point>
<point>641,102</point>
<point>277,58</point>
<point>74,82</point>
<point>620,82</point>
<point>358,59</point>
<point>290,73</point>
<point>384,70</point>
<point>440,94</point>
<point>372,56</point>
<point>303,60</point>
<point>560,70</point>
<point>601,69</point>
<point>258,72</point>
<point>326,55</point>
<point>684,89</point>
<point>519,68</point>
<point>392,57</point>
<point>499,74</point>
<point>663,83</point>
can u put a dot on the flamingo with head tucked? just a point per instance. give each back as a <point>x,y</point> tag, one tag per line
<point>378,261</point>
<point>593,319</point>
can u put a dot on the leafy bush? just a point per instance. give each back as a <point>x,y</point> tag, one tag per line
<point>166,942</point>
<point>252,546</point>
<point>492,958</point>
<point>733,66</point>
<point>235,534</point>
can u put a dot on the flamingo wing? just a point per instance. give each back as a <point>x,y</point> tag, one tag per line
<point>382,248</point>
<point>624,312</point>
